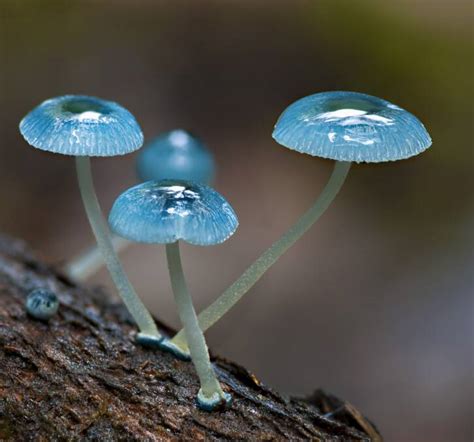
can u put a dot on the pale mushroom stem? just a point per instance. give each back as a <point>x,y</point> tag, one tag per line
<point>89,262</point>
<point>99,226</point>
<point>211,393</point>
<point>242,285</point>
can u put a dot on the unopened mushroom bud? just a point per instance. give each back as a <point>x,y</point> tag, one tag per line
<point>176,155</point>
<point>42,304</point>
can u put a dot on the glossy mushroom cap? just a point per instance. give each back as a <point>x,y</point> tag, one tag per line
<point>349,126</point>
<point>163,212</point>
<point>82,126</point>
<point>176,155</point>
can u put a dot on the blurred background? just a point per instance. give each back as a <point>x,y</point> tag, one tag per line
<point>375,304</point>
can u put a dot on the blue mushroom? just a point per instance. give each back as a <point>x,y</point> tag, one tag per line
<point>350,126</point>
<point>163,212</point>
<point>166,212</point>
<point>84,127</point>
<point>176,155</point>
<point>42,304</point>
<point>343,126</point>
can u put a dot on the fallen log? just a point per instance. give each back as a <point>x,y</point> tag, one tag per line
<point>80,376</point>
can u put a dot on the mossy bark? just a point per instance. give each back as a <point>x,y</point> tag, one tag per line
<point>81,377</point>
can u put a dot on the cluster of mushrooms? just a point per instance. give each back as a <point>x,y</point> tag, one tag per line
<point>175,202</point>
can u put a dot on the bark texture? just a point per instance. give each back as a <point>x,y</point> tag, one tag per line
<point>81,377</point>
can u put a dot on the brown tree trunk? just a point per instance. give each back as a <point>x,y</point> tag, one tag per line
<point>81,377</point>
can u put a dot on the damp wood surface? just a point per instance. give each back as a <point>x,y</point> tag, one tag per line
<point>81,377</point>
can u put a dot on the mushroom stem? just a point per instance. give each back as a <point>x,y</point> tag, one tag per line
<point>211,394</point>
<point>89,262</point>
<point>237,290</point>
<point>101,232</point>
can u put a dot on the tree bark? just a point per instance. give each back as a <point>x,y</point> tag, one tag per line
<point>80,376</point>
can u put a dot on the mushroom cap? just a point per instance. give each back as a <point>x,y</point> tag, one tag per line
<point>82,126</point>
<point>162,212</point>
<point>176,155</point>
<point>350,126</point>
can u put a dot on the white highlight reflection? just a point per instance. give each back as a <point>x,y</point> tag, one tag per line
<point>179,138</point>
<point>89,116</point>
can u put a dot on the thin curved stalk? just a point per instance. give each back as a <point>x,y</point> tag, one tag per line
<point>211,392</point>
<point>242,285</point>
<point>89,262</point>
<point>101,232</point>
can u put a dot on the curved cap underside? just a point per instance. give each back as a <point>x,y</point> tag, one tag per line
<point>350,126</point>
<point>80,125</point>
